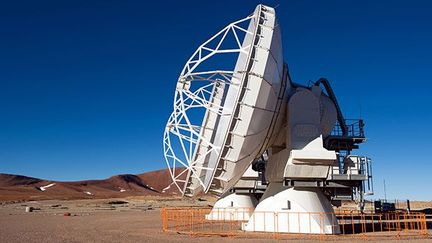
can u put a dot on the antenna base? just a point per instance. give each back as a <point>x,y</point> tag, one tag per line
<point>295,210</point>
<point>233,207</point>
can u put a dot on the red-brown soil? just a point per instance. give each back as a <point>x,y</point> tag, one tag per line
<point>17,187</point>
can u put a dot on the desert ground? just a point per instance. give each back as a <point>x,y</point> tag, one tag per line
<point>90,220</point>
<point>122,208</point>
<point>131,219</point>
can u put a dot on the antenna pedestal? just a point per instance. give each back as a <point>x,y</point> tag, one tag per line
<point>293,210</point>
<point>233,206</point>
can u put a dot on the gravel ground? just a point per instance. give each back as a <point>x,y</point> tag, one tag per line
<point>100,221</point>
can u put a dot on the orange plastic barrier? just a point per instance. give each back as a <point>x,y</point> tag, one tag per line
<point>192,221</point>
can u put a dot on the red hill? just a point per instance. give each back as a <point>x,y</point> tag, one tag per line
<point>17,187</point>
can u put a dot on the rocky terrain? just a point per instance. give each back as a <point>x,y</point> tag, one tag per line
<point>122,208</point>
<point>130,219</point>
<point>23,188</point>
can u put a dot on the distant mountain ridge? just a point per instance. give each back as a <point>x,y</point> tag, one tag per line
<point>16,180</point>
<point>154,183</point>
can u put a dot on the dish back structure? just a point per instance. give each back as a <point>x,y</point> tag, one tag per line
<point>220,124</point>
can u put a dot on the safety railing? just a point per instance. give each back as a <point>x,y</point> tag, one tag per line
<point>355,128</point>
<point>298,225</point>
<point>353,165</point>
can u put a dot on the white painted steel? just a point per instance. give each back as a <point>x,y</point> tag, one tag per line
<point>289,210</point>
<point>233,207</point>
<point>310,116</point>
<point>242,111</point>
<point>212,153</point>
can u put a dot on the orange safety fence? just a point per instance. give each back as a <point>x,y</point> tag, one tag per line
<point>300,225</point>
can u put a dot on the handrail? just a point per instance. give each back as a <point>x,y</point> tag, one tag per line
<point>355,128</point>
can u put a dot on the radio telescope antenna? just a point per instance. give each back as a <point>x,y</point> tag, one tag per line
<point>235,106</point>
<point>223,118</point>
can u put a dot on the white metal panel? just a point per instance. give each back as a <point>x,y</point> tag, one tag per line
<point>291,210</point>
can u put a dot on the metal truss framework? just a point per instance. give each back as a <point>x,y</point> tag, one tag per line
<point>194,92</point>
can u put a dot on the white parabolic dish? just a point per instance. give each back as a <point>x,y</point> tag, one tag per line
<point>224,119</point>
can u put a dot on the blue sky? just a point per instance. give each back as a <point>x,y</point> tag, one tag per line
<point>86,87</point>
